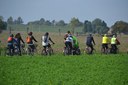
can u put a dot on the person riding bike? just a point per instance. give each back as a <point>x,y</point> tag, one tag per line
<point>105,42</point>
<point>29,41</point>
<point>114,43</point>
<point>66,34</point>
<point>46,41</point>
<point>89,42</point>
<point>10,44</point>
<point>75,45</point>
<point>68,40</point>
<point>18,38</point>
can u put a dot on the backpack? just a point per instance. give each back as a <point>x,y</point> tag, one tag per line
<point>117,42</point>
<point>9,39</point>
<point>28,39</point>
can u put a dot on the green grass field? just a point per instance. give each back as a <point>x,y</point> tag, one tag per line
<point>93,69</point>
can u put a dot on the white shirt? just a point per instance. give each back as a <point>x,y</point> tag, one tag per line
<point>45,41</point>
<point>69,39</point>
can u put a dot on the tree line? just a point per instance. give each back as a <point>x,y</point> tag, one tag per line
<point>96,26</point>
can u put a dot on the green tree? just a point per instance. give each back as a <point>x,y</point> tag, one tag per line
<point>3,25</point>
<point>99,26</point>
<point>47,22</point>
<point>61,23</point>
<point>74,23</point>
<point>10,20</point>
<point>19,20</point>
<point>42,21</point>
<point>2,18</point>
<point>87,27</point>
<point>120,27</point>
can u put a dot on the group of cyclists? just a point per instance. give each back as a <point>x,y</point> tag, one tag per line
<point>15,41</point>
<point>70,41</point>
<point>105,42</point>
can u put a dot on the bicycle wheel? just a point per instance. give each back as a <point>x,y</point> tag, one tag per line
<point>102,50</point>
<point>88,50</point>
<point>66,51</point>
<point>48,51</point>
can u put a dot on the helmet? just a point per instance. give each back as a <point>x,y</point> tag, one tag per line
<point>11,35</point>
<point>90,34</point>
<point>68,32</point>
<point>46,33</point>
<point>105,35</point>
<point>18,33</point>
<point>30,33</point>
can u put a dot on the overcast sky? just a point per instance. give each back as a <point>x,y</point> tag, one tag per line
<point>30,10</point>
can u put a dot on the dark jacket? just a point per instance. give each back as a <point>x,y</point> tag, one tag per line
<point>90,40</point>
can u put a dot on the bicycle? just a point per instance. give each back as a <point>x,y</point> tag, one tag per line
<point>114,50</point>
<point>67,51</point>
<point>49,51</point>
<point>76,51</point>
<point>16,50</point>
<point>8,51</point>
<point>22,48</point>
<point>88,50</point>
<point>31,49</point>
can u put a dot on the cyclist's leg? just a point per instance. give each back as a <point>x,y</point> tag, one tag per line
<point>12,49</point>
<point>115,47</point>
<point>19,47</point>
<point>49,46</point>
<point>91,46</point>
<point>29,49</point>
<point>112,48</point>
<point>66,44</point>
<point>70,45</point>
<point>44,49</point>
<point>106,48</point>
<point>32,47</point>
<point>9,48</point>
<point>103,48</point>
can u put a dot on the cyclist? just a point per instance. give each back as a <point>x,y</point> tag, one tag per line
<point>10,44</point>
<point>114,43</point>
<point>46,41</point>
<point>29,41</point>
<point>18,38</point>
<point>75,45</point>
<point>66,34</point>
<point>68,41</point>
<point>89,42</point>
<point>105,42</point>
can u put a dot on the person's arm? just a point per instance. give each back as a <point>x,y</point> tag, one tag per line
<point>21,40</point>
<point>51,40</point>
<point>93,40</point>
<point>34,39</point>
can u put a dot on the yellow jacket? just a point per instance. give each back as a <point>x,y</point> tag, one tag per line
<point>105,40</point>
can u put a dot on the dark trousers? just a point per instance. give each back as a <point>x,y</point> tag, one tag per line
<point>19,47</point>
<point>113,48</point>
<point>32,47</point>
<point>11,49</point>
<point>91,46</point>
<point>68,44</point>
